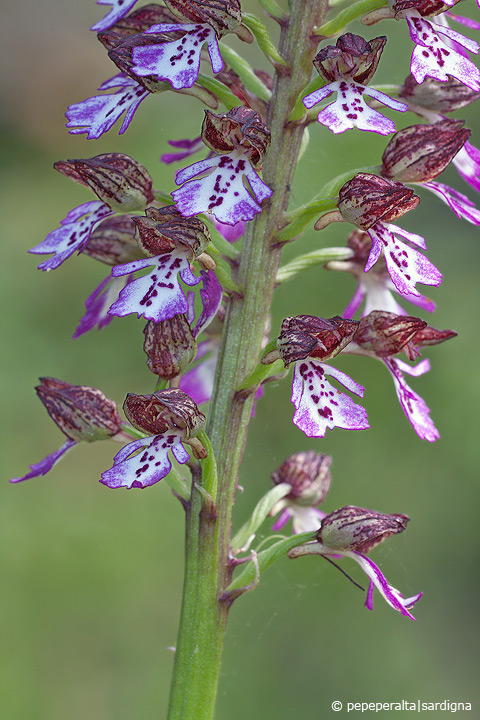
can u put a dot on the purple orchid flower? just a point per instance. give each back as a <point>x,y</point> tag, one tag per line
<point>72,235</point>
<point>350,110</point>
<point>178,61</point>
<point>157,295</point>
<point>435,55</point>
<point>320,406</point>
<point>414,407</point>
<point>221,192</point>
<point>119,9</point>
<point>144,462</point>
<point>406,266</point>
<point>97,114</point>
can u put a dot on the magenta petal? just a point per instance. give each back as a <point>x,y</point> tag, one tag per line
<point>198,382</point>
<point>158,295</point>
<point>461,205</point>
<point>45,465</point>
<point>72,235</point>
<point>137,466</point>
<point>282,519</point>
<point>319,406</point>
<point>231,233</point>
<point>98,303</point>
<point>467,162</point>
<point>412,404</point>
<point>119,9</point>
<point>211,294</point>
<point>177,61</point>
<point>186,148</point>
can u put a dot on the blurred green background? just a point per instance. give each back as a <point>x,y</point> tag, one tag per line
<point>92,578</point>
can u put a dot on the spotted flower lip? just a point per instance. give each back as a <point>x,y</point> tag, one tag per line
<point>177,61</point>
<point>434,55</point>
<point>220,190</point>
<point>98,114</point>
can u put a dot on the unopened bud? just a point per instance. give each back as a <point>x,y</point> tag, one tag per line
<point>239,129</point>
<point>352,57</point>
<point>113,241</point>
<point>309,336</point>
<point>439,96</point>
<point>308,474</point>
<point>170,346</point>
<point>224,16</point>
<point>164,410</point>
<point>426,8</point>
<point>421,152</point>
<point>385,333</point>
<point>430,336</point>
<point>117,179</point>
<point>82,413</point>
<point>367,198</point>
<point>162,230</point>
<point>359,529</point>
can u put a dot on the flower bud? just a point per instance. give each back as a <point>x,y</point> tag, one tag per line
<point>439,96</point>
<point>162,230</point>
<point>113,241</point>
<point>358,529</point>
<point>117,179</point>
<point>308,474</point>
<point>367,198</point>
<point>352,57</point>
<point>385,333</point>
<point>309,336</point>
<point>224,17</point>
<point>164,410</point>
<point>421,152</point>
<point>239,129</point>
<point>430,336</point>
<point>82,413</point>
<point>426,8</point>
<point>170,346</point>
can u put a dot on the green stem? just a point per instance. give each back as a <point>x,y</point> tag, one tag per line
<point>208,567</point>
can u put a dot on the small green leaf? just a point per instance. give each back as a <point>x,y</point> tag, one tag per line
<point>273,9</point>
<point>245,71</point>
<point>220,90</point>
<point>344,17</point>
<point>263,39</point>
<point>317,257</point>
<point>299,220</point>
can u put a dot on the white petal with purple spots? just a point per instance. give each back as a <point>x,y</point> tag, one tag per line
<point>350,109</point>
<point>177,61</point>
<point>221,192</point>
<point>144,462</point>
<point>412,404</point>
<point>432,57</point>
<point>119,9</point>
<point>319,406</point>
<point>158,295</point>
<point>406,266</point>
<point>96,115</point>
<point>72,235</point>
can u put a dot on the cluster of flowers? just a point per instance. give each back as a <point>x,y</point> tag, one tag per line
<point>160,47</point>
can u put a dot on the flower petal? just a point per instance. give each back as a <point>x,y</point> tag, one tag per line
<point>406,266</point>
<point>98,303</point>
<point>119,9</point>
<point>211,294</point>
<point>186,148</point>
<point>198,382</point>
<point>412,404</point>
<point>319,406</point>
<point>158,295</point>
<point>45,465</point>
<point>221,192</point>
<point>177,61</point>
<point>467,162</point>
<point>72,235</point>
<point>389,593</point>
<point>461,205</point>
<point>97,114</point>
<point>137,466</point>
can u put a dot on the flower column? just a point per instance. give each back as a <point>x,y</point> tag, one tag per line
<point>207,570</point>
